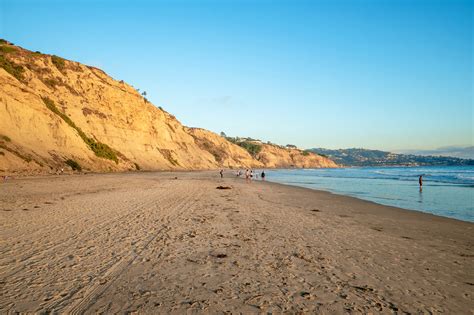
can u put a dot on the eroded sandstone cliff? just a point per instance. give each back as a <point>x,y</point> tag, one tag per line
<point>56,113</point>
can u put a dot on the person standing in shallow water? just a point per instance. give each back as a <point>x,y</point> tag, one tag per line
<point>263,175</point>
<point>420,181</point>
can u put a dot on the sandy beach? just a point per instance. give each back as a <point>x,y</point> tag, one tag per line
<point>173,243</point>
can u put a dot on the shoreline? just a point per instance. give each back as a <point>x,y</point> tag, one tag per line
<point>447,192</point>
<point>214,172</point>
<point>150,243</point>
<point>374,202</point>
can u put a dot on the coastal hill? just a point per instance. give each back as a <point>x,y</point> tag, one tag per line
<point>58,114</point>
<point>364,157</point>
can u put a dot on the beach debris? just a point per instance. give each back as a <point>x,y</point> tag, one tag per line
<point>362,288</point>
<point>315,210</point>
<point>223,187</point>
<point>221,256</point>
<point>343,295</point>
<point>218,254</point>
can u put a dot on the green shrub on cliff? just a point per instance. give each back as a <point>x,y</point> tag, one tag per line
<point>58,62</point>
<point>7,49</point>
<point>11,67</point>
<point>74,165</point>
<point>100,149</point>
<point>251,148</point>
<point>5,138</point>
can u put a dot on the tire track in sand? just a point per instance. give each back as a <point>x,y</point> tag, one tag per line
<point>38,254</point>
<point>96,289</point>
<point>118,225</point>
<point>68,220</point>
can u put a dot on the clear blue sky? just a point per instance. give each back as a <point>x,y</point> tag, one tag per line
<point>374,74</point>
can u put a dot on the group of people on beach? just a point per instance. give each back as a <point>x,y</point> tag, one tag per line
<point>249,174</point>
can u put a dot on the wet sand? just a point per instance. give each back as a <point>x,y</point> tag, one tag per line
<point>150,243</point>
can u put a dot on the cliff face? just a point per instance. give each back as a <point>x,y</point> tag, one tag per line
<point>277,157</point>
<point>53,110</point>
<point>232,154</point>
<point>225,153</point>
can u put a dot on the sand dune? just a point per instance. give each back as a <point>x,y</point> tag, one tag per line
<point>150,243</point>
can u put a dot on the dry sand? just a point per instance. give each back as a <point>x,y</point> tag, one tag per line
<point>150,243</point>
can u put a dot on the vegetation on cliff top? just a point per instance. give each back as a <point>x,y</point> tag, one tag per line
<point>7,50</point>
<point>248,144</point>
<point>58,62</point>
<point>100,149</point>
<point>9,66</point>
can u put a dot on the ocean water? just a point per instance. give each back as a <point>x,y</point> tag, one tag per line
<point>447,190</point>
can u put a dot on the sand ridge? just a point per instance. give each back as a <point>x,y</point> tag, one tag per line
<point>150,243</point>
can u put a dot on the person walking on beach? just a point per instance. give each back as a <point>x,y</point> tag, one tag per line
<point>247,176</point>
<point>222,173</point>
<point>263,175</point>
